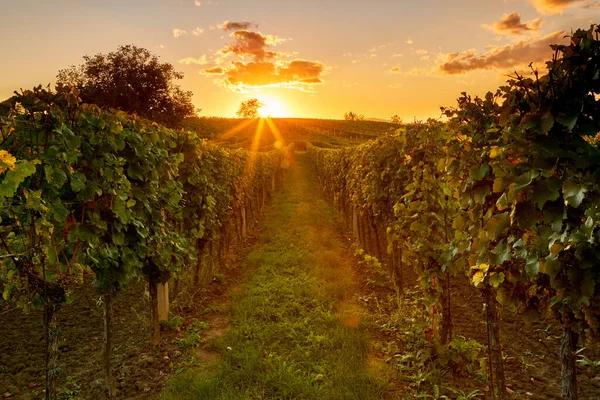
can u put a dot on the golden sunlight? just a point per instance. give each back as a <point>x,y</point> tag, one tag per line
<point>272,108</point>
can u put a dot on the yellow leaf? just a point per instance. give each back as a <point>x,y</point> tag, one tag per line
<point>478,278</point>
<point>495,152</point>
<point>7,161</point>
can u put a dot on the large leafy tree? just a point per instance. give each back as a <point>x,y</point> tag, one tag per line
<point>131,79</point>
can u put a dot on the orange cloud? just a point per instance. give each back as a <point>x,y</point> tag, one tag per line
<point>241,76</point>
<point>266,69</point>
<point>212,71</point>
<point>254,44</point>
<point>553,7</point>
<point>502,57</point>
<point>234,26</point>
<point>511,24</point>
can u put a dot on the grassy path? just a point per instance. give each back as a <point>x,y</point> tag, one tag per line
<point>294,331</point>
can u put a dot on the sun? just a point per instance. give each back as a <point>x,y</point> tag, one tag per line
<point>272,108</point>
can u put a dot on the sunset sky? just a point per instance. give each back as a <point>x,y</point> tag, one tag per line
<point>317,58</point>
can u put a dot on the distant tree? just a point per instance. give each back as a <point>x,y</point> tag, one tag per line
<point>249,108</point>
<point>352,116</point>
<point>396,119</point>
<point>131,79</point>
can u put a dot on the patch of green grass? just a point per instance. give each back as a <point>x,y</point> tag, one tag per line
<point>193,335</point>
<point>286,341</point>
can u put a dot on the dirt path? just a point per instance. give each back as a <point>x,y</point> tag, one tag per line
<point>296,330</point>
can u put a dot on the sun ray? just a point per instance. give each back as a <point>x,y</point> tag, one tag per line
<point>235,129</point>
<point>279,140</point>
<point>254,146</point>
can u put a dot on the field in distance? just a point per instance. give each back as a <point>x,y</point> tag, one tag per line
<point>270,132</point>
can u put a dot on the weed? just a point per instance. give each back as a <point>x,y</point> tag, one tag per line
<point>193,335</point>
<point>175,322</point>
<point>70,390</point>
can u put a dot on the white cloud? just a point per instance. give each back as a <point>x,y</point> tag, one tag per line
<point>202,60</point>
<point>197,3</point>
<point>409,41</point>
<point>197,31</point>
<point>178,32</point>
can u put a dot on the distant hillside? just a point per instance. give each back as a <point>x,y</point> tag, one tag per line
<point>379,120</point>
<point>321,132</point>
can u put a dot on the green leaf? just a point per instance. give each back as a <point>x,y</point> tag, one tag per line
<point>55,176</point>
<point>574,193</point>
<point>547,122</point>
<point>532,266</point>
<point>78,182</point>
<point>14,178</point>
<point>496,279</point>
<point>552,267</point>
<point>545,191</point>
<point>498,185</point>
<point>525,179</point>
<point>480,193</point>
<point>478,173</point>
<point>60,212</point>
<point>120,210</point>
<point>118,239</point>
<point>8,289</point>
<point>568,120</point>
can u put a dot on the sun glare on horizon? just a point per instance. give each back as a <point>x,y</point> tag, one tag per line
<point>272,108</point>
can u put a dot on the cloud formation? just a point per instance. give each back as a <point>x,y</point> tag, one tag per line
<point>197,31</point>
<point>256,64</point>
<point>241,76</point>
<point>212,71</point>
<point>502,57</point>
<point>178,32</point>
<point>511,24</point>
<point>253,44</point>
<point>234,26</point>
<point>202,60</point>
<point>553,7</point>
